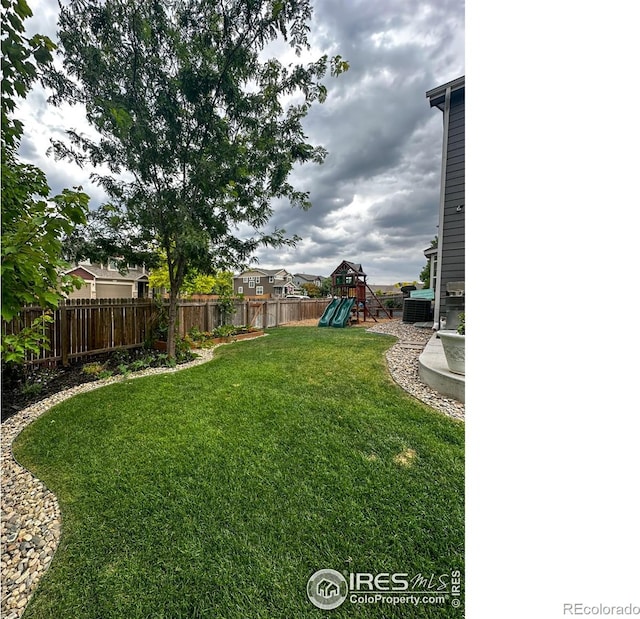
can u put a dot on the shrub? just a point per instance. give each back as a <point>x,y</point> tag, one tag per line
<point>140,364</point>
<point>93,369</point>
<point>224,331</point>
<point>30,389</point>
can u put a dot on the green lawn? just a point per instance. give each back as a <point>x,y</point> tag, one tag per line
<point>217,491</point>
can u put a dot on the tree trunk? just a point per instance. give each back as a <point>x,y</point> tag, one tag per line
<point>173,320</point>
<point>176,278</point>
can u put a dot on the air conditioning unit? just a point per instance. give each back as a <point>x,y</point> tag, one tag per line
<point>417,310</point>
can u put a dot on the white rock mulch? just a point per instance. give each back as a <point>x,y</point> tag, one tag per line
<point>402,360</point>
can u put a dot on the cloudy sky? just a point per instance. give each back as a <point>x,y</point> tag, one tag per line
<point>375,199</point>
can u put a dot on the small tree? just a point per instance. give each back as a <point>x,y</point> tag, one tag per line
<point>425,274</point>
<point>194,281</point>
<point>186,106</point>
<point>33,225</point>
<point>325,288</point>
<point>311,290</point>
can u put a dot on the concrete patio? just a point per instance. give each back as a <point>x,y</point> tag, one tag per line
<point>434,372</point>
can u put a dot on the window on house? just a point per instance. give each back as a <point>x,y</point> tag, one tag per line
<point>252,284</point>
<point>240,289</point>
<point>257,279</point>
<point>252,278</point>
<point>245,280</point>
<point>112,265</point>
<point>259,290</point>
<point>271,279</point>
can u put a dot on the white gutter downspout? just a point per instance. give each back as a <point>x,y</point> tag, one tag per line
<point>443,179</point>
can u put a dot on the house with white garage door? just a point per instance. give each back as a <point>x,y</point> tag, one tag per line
<point>105,281</point>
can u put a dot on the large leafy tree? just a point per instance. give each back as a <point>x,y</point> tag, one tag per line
<point>200,132</point>
<point>33,224</point>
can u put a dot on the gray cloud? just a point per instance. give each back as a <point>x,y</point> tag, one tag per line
<point>384,140</point>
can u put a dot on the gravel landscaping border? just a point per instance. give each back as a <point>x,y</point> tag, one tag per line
<point>402,361</point>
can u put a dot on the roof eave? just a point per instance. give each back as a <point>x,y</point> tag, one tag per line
<point>436,95</point>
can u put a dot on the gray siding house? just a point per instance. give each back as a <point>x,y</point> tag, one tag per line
<point>264,283</point>
<point>304,278</point>
<point>450,258</point>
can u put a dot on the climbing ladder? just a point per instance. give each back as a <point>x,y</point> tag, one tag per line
<point>376,305</point>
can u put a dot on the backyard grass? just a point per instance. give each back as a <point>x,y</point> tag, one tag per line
<point>217,491</point>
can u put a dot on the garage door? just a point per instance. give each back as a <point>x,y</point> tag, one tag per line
<point>113,291</point>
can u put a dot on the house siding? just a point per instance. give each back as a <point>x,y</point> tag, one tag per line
<point>269,288</point>
<point>452,232</point>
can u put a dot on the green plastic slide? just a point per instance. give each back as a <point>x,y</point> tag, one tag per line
<point>343,313</point>
<point>329,312</point>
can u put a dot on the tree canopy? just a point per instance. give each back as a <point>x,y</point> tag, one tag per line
<point>199,131</point>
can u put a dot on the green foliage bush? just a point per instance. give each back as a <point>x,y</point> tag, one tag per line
<point>31,388</point>
<point>93,369</point>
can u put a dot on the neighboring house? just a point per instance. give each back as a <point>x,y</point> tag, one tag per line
<point>266,283</point>
<point>303,278</point>
<point>449,256</point>
<point>104,281</point>
<point>431,255</point>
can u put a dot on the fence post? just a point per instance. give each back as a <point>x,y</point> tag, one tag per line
<point>64,335</point>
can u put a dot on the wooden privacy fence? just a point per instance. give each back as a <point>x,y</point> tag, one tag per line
<point>206,315</point>
<point>85,327</point>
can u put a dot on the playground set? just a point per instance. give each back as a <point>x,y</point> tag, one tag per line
<point>349,289</point>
